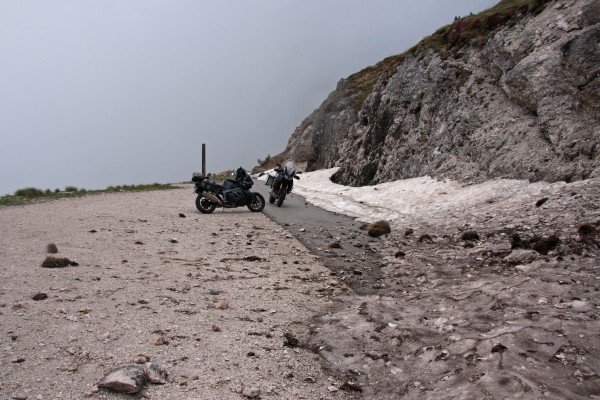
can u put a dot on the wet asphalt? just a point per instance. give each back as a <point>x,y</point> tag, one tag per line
<point>346,250</point>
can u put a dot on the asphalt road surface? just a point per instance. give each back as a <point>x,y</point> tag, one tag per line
<point>349,253</point>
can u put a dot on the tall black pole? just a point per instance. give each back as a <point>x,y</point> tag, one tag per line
<point>203,159</point>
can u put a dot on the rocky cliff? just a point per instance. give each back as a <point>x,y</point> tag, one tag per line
<point>513,92</point>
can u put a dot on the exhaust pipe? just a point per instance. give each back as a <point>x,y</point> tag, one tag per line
<point>212,198</point>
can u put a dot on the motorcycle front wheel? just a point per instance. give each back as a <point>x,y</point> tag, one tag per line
<point>281,197</point>
<point>257,204</point>
<point>204,205</point>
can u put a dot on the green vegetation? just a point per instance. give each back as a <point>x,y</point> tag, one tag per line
<point>32,195</point>
<point>266,160</point>
<point>447,41</point>
<point>30,192</point>
<point>358,86</point>
<point>221,176</point>
<point>139,188</point>
<point>475,29</point>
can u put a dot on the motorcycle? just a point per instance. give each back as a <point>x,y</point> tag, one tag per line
<point>283,183</point>
<point>232,193</point>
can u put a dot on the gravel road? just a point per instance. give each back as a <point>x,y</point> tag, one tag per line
<point>217,299</point>
<point>355,262</point>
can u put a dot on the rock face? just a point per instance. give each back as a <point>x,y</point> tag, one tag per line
<point>503,94</point>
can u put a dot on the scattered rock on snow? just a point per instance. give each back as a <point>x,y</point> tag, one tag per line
<point>470,236</point>
<point>425,239</point>
<point>539,244</point>
<point>377,228</point>
<point>523,268</point>
<point>545,245</point>
<point>521,256</point>
<point>499,348</point>
<point>587,231</point>
<point>349,386</point>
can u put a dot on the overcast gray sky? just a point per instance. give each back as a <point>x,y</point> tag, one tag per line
<point>99,93</point>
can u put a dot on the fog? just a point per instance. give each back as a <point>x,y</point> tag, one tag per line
<point>99,93</point>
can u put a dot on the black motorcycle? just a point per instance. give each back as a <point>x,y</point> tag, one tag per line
<point>283,183</point>
<point>232,193</point>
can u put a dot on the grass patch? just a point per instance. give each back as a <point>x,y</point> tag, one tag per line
<point>33,195</point>
<point>474,30</point>
<point>139,188</point>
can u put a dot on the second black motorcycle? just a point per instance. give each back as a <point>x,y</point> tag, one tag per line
<point>282,183</point>
<point>232,193</point>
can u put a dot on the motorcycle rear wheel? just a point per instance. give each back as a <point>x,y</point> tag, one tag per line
<point>257,204</point>
<point>271,198</point>
<point>204,205</point>
<point>281,197</point>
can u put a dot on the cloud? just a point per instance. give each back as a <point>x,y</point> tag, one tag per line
<point>117,92</point>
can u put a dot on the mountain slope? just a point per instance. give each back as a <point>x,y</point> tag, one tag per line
<point>513,92</point>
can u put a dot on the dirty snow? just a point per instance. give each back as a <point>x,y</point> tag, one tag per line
<point>409,199</point>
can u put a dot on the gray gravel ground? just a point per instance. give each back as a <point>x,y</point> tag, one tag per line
<point>210,297</point>
<point>448,306</point>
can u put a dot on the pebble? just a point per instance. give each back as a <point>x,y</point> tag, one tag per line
<point>222,305</point>
<point>251,393</point>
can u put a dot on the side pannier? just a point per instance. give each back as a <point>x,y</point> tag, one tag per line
<point>197,177</point>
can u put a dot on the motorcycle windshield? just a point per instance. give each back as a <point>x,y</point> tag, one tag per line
<point>290,168</point>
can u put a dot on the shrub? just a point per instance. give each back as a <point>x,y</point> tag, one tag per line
<point>29,192</point>
<point>71,189</point>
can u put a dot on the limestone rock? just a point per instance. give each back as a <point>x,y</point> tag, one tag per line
<point>126,379</point>
<point>155,373</point>
<point>521,101</point>
<point>132,378</point>
<point>522,257</point>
